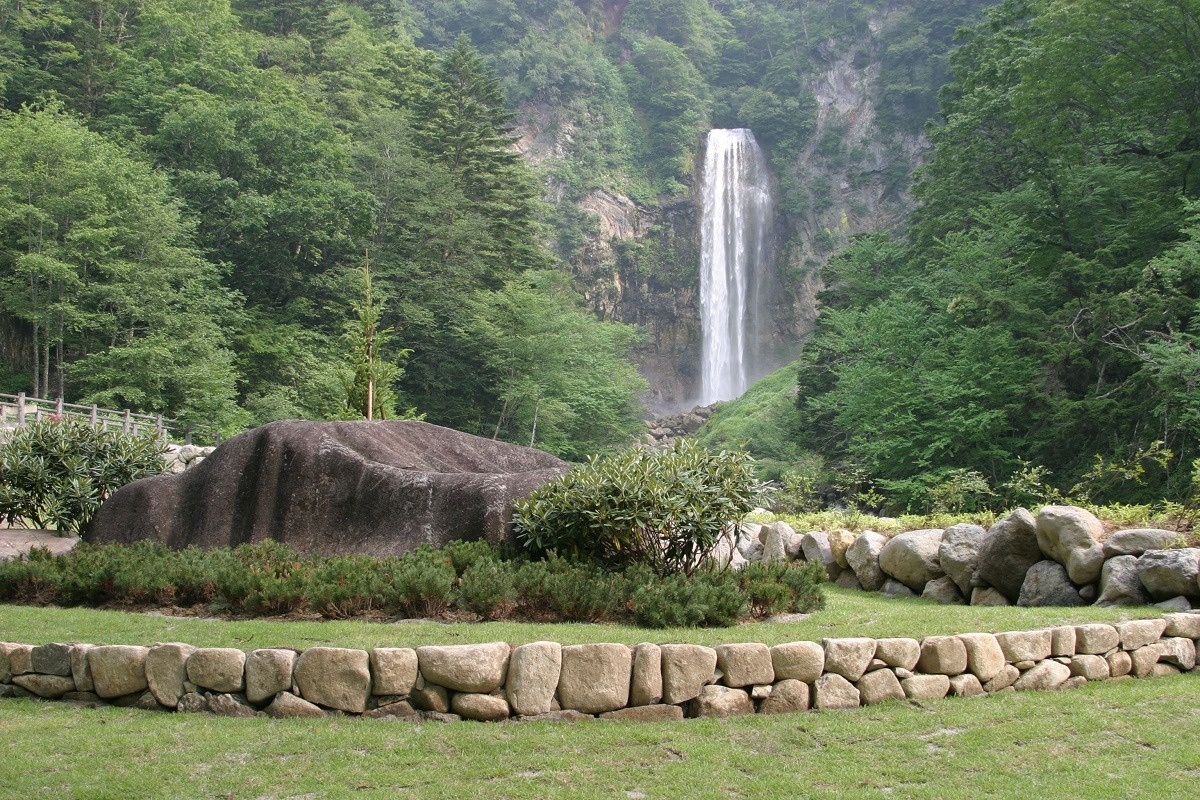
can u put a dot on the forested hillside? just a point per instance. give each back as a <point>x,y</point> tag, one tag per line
<point>217,210</point>
<point>1035,331</point>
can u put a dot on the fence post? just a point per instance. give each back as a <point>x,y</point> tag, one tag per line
<point>20,409</point>
<point>92,416</point>
<point>126,423</point>
<point>58,407</point>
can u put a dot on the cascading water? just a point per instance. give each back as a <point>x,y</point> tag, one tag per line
<point>735,239</point>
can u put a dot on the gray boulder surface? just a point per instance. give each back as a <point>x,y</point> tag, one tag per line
<point>380,488</point>
<point>1007,552</point>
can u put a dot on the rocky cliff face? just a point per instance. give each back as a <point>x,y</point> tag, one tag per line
<point>641,263</point>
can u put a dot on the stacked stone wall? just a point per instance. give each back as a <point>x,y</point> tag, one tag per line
<point>550,681</point>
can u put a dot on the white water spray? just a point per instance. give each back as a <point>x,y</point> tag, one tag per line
<point>735,239</point>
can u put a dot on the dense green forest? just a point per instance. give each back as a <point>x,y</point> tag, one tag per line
<point>214,210</point>
<point>1034,331</point>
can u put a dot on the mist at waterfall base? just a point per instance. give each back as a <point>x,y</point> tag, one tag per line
<point>735,238</point>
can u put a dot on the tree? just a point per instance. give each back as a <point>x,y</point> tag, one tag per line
<point>370,382</point>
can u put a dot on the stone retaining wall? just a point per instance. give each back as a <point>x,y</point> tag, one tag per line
<point>546,680</point>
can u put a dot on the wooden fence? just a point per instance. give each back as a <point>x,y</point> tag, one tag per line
<point>17,411</point>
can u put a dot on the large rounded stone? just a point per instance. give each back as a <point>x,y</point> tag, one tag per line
<point>1120,584</point>
<point>926,687</point>
<point>721,701</point>
<point>898,652</point>
<point>1091,667</point>
<point>815,546</point>
<point>966,685</point>
<point>218,669</point>
<point>985,659</point>
<point>1170,573</point>
<point>958,554</point>
<point>863,557</point>
<point>1006,553</point>
<point>1183,624</point>
<point>1180,651</point>
<point>50,687</point>
<point>1044,675</point>
<point>479,707</point>
<point>839,543</point>
<point>832,691</point>
<point>646,685</point>
<point>335,677</point>
<point>848,657</point>
<point>987,596</point>
<point>81,671</point>
<point>166,670</point>
<point>912,558</point>
<point>788,696</point>
<point>944,591</point>
<point>942,655</point>
<point>533,673</point>
<point>686,668</point>
<point>393,671</point>
<point>472,668</point>
<point>1025,645</point>
<point>880,685</point>
<point>1135,541</point>
<point>269,672</point>
<point>1140,632</point>
<point>745,664</point>
<point>775,539</point>
<point>1072,536</point>
<point>118,670</point>
<point>802,661</point>
<point>1096,638</point>
<point>1046,584</point>
<point>51,659</point>
<point>595,677</point>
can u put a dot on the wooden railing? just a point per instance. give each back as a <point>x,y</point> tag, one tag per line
<point>17,411</point>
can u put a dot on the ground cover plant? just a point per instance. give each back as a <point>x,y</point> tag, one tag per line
<point>465,580</point>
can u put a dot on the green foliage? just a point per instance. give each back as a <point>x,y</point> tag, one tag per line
<point>269,578</point>
<point>55,474</point>
<point>666,510</point>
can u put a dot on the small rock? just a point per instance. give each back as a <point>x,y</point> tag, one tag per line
<point>787,696</point>
<point>720,701</point>
<point>287,704</point>
<point>1044,675</point>
<point>926,687</point>
<point>863,557</point>
<point>479,707</point>
<point>875,687</point>
<point>652,713</point>
<point>1005,678</point>
<point>966,686</point>
<point>987,596</point>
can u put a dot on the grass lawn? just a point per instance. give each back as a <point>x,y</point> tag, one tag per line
<point>847,613</point>
<point>1113,739</point>
<point>1107,740</point>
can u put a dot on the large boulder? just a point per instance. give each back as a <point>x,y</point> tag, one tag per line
<point>1135,541</point>
<point>863,557</point>
<point>958,553</point>
<point>912,558</point>
<point>1170,573</point>
<point>1046,584</point>
<point>1007,552</point>
<point>1073,537</point>
<point>1120,585</point>
<point>380,488</point>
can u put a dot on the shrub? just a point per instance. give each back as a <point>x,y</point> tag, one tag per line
<point>664,509</point>
<point>708,599</point>
<point>488,588</point>
<point>419,583</point>
<point>56,474</point>
<point>572,592</point>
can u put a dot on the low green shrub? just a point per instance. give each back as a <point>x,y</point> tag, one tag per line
<point>663,509</point>
<point>55,474</point>
<point>269,578</point>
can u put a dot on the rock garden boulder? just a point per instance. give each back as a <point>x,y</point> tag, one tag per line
<point>595,677</point>
<point>380,488</point>
<point>335,677</point>
<point>863,557</point>
<point>686,668</point>
<point>1007,552</point>
<point>912,558</point>
<point>958,554</point>
<point>477,668</point>
<point>1046,584</point>
<point>533,672</point>
<point>1135,541</point>
<point>1120,584</point>
<point>1170,573</point>
<point>1072,536</point>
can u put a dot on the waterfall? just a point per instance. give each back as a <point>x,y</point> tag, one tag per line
<point>735,240</point>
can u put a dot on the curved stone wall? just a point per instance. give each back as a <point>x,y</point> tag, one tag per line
<point>546,680</point>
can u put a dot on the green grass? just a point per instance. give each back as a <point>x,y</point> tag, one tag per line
<point>847,613</point>
<point>1106,740</point>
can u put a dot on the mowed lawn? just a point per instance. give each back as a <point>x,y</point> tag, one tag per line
<point>1107,740</point>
